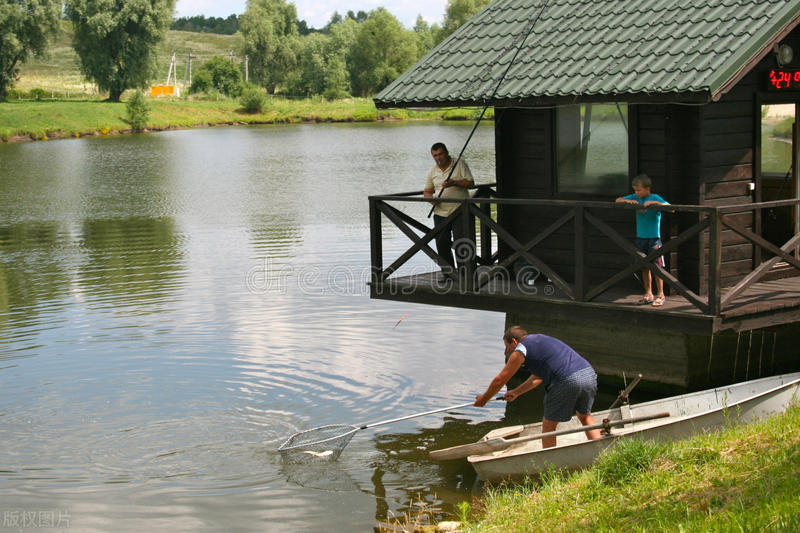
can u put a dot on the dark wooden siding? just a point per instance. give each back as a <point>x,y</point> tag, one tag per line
<point>525,169</point>
<point>727,142</point>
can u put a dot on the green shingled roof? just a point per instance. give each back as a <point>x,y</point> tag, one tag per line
<point>594,50</point>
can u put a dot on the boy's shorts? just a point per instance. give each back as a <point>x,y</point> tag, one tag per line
<point>575,393</point>
<point>649,245</point>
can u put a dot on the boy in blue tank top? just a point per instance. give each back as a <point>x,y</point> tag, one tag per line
<point>570,380</point>
<point>648,234</point>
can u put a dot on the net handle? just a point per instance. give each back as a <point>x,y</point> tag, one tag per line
<point>459,406</point>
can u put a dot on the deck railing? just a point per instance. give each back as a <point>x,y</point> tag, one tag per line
<point>478,216</point>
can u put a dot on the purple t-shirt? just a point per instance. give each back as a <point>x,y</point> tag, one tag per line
<point>549,358</point>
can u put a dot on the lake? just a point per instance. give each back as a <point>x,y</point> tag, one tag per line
<point>173,306</point>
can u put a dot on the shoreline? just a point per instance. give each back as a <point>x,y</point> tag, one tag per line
<point>24,121</point>
<point>58,135</point>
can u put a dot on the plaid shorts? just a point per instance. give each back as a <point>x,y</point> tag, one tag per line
<point>650,245</point>
<point>575,393</point>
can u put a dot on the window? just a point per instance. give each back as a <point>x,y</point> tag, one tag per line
<point>592,149</point>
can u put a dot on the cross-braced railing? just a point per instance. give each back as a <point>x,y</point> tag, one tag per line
<point>587,219</point>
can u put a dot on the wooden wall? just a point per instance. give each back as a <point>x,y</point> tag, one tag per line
<point>525,169</point>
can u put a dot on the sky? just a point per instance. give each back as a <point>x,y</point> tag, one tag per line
<point>317,13</point>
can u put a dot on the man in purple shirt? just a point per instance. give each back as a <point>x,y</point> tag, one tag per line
<point>570,381</point>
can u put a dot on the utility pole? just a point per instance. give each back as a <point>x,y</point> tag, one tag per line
<point>187,74</point>
<point>172,71</point>
<point>246,69</point>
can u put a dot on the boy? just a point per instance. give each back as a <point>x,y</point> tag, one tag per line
<point>648,234</point>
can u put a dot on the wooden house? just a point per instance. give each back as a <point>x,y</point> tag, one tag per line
<point>587,95</point>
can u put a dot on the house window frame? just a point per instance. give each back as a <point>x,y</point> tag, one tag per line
<point>559,192</point>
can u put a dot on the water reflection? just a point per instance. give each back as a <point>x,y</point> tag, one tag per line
<point>131,262</point>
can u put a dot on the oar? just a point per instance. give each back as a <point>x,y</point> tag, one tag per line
<point>498,443</point>
<point>623,395</point>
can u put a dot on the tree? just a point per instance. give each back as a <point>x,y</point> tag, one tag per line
<point>137,111</point>
<point>426,35</point>
<point>25,27</point>
<point>269,36</point>
<point>457,13</point>
<point>323,62</point>
<point>117,40</point>
<point>383,49</point>
<point>218,73</point>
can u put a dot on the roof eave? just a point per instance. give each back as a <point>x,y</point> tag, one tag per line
<point>689,97</point>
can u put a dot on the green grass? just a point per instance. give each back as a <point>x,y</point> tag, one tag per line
<point>744,478</point>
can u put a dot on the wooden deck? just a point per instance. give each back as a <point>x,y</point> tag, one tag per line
<point>764,304</point>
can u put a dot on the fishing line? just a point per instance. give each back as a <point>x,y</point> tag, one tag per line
<point>524,34</point>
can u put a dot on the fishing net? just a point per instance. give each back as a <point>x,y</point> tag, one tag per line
<point>324,443</point>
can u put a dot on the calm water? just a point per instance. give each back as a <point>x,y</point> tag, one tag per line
<point>173,306</point>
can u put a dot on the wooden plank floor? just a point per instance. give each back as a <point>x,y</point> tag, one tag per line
<point>764,304</point>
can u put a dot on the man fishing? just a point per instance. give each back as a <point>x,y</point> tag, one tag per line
<point>445,182</point>
<point>570,381</point>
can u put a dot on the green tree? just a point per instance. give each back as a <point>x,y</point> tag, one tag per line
<point>383,49</point>
<point>117,40</point>
<point>426,35</point>
<point>218,73</point>
<point>457,13</point>
<point>323,61</point>
<point>269,36</point>
<point>25,27</point>
<point>137,111</point>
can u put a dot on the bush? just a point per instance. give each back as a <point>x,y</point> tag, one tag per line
<point>220,74</point>
<point>138,112</point>
<point>253,100</point>
<point>38,94</point>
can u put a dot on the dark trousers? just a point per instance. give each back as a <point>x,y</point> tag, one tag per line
<point>445,240</point>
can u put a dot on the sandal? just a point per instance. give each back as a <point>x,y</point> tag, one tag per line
<point>645,299</point>
<point>658,302</point>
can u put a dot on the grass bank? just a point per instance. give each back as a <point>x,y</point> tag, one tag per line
<point>744,478</point>
<point>22,120</point>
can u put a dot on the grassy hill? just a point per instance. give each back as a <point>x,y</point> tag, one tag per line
<point>59,71</point>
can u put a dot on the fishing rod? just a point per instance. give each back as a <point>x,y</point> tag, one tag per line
<point>524,34</point>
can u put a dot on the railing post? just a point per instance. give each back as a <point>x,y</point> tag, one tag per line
<point>468,230</point>
<point>486,236</point>
<point>714,262</point>
<point>580,254</point>
<point>375,244</point>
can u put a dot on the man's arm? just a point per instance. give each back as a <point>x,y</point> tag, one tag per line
<point>527,385</point>
<point>514,363</point>
<point>464,178</point>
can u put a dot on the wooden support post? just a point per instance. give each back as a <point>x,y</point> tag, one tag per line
<point>376,243</point>
<point>714,262</point>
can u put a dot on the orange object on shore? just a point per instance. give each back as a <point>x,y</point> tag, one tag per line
<point>164,90</point>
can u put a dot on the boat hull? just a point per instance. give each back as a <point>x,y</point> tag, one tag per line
<point>689,414</point>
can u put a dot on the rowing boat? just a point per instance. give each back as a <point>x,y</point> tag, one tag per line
<point>689,414</point>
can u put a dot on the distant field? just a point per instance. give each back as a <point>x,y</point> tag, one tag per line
<point>59,71</point>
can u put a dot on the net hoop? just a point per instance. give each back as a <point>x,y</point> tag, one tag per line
<point>305,440</point>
